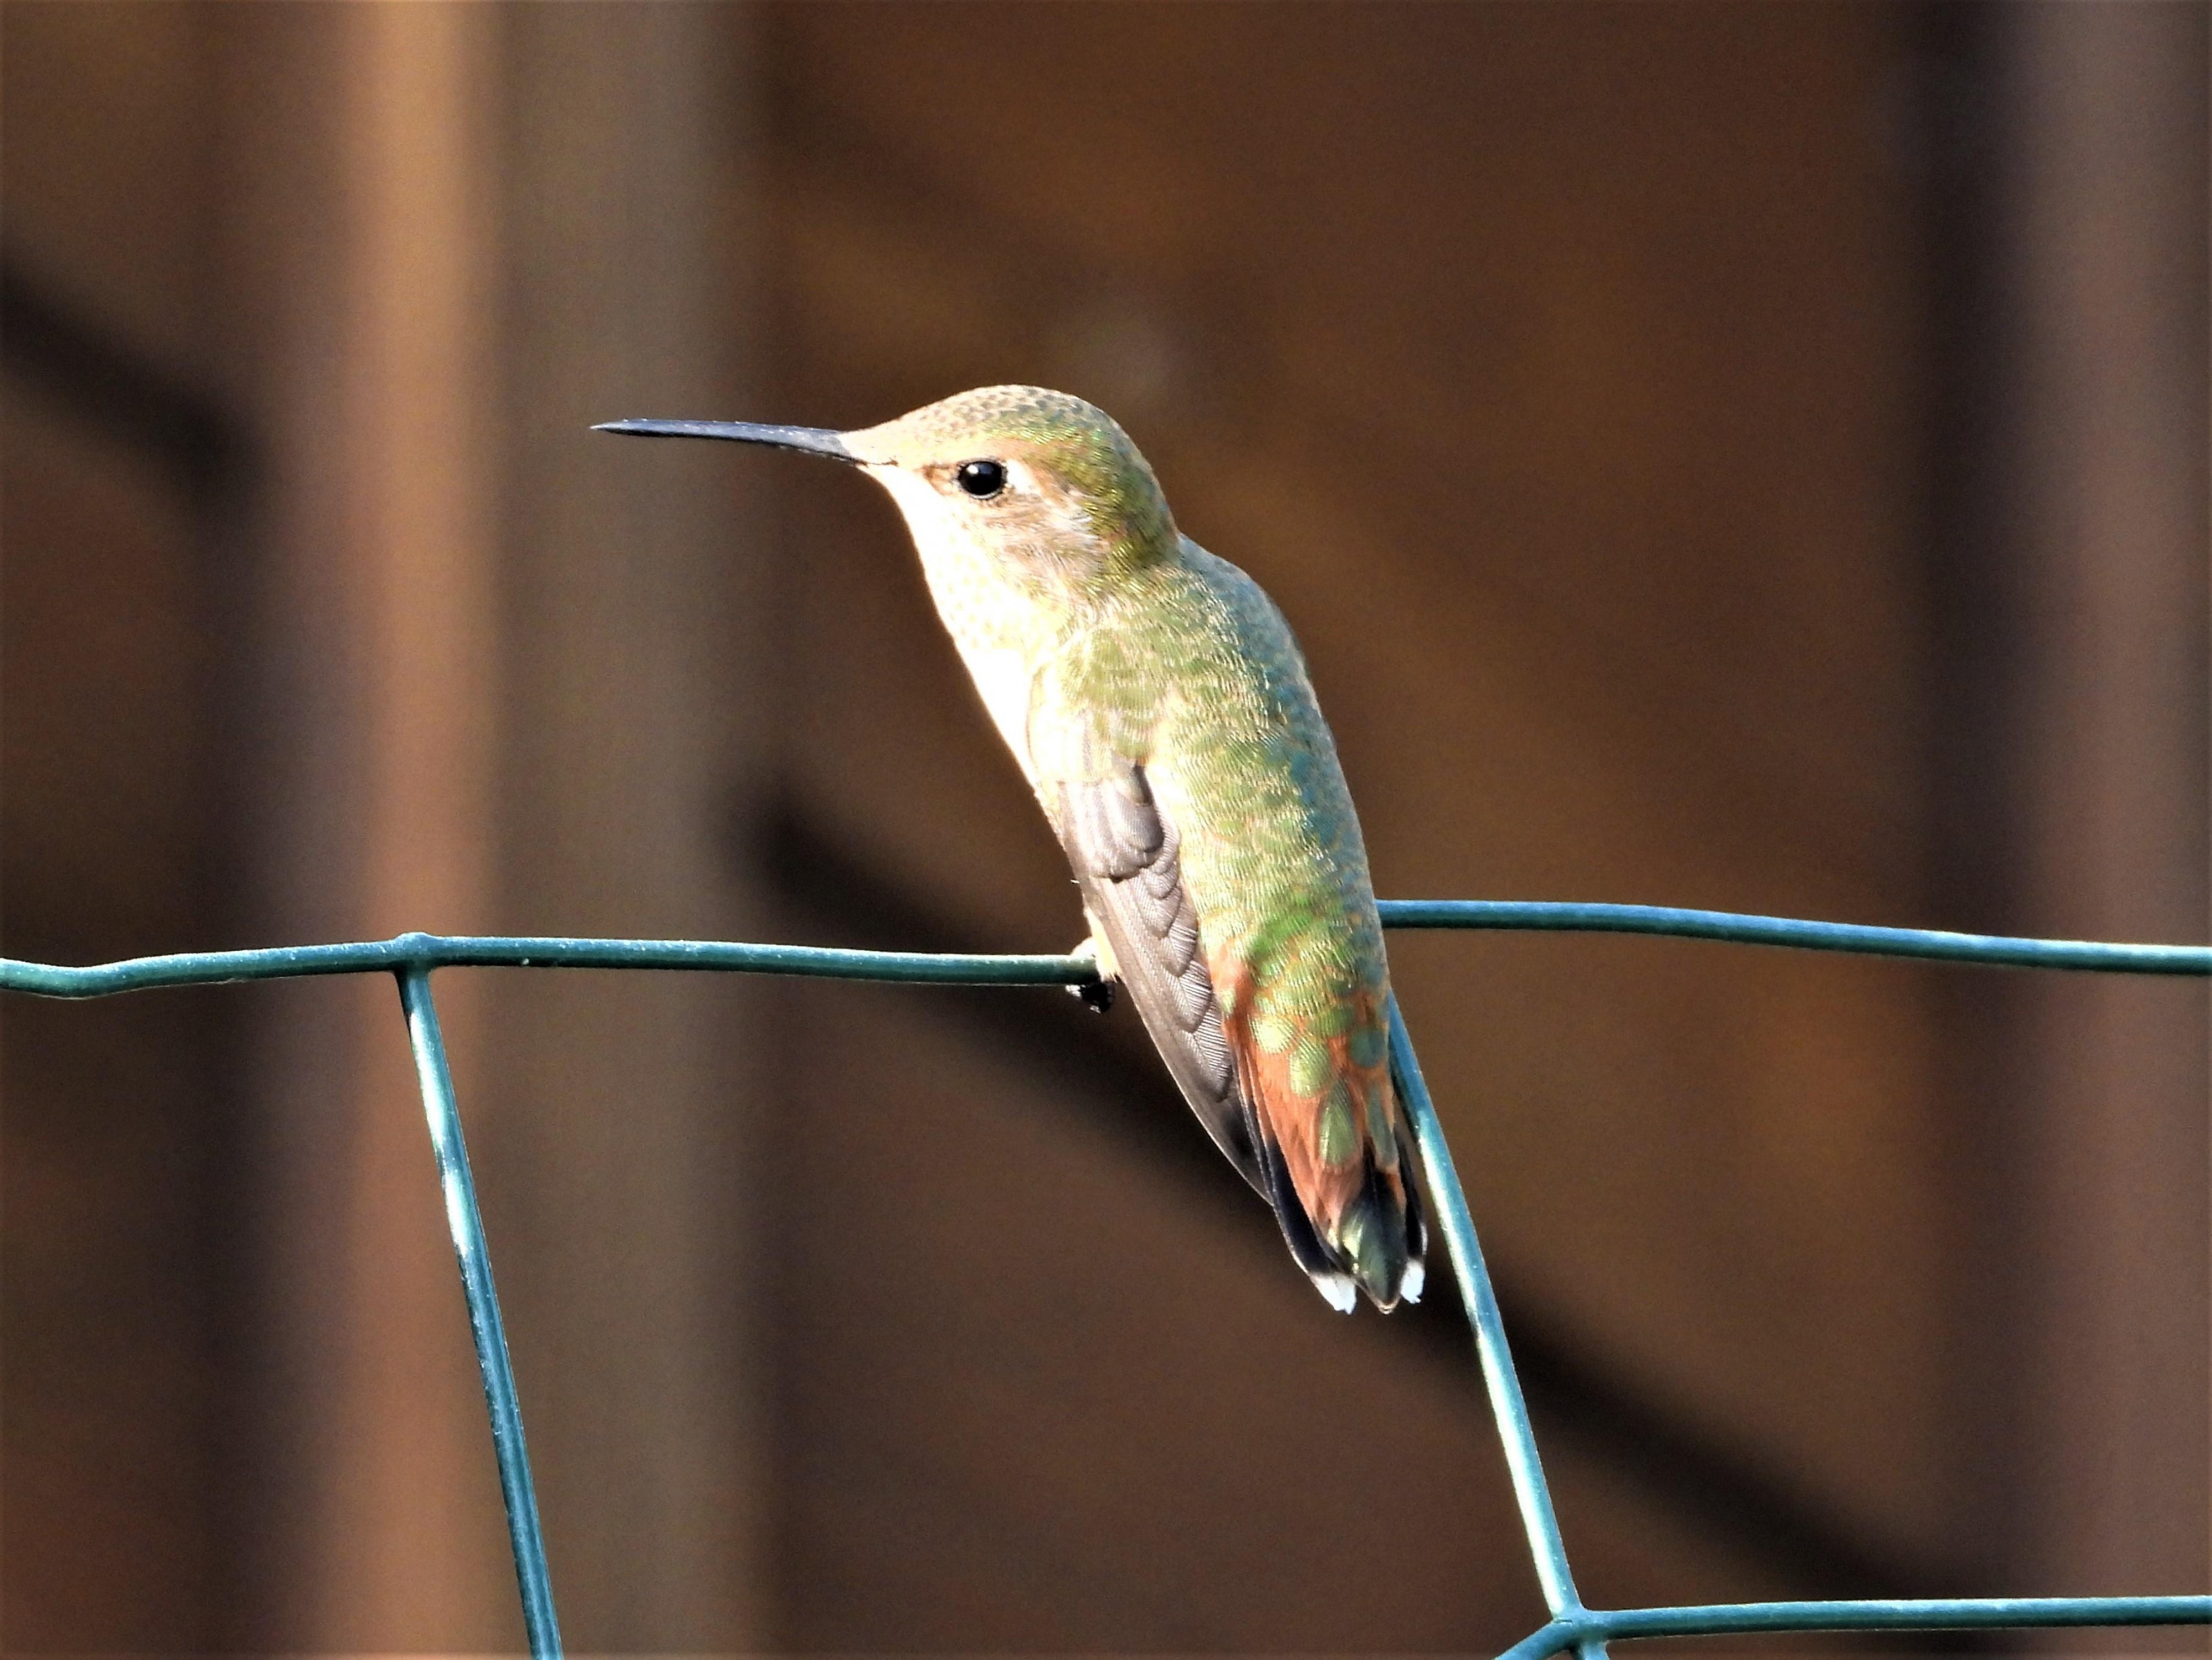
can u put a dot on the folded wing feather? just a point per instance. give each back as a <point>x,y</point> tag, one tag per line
<point>1125,853</point>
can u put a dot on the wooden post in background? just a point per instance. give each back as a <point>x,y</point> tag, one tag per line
<point>2106,221</point>
<point>362,256</point>
<point>504,672</point>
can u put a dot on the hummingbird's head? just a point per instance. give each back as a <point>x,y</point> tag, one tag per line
<point>1039,481</point>
<point>1035,476</point>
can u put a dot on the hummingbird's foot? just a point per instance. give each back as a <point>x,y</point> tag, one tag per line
<point>1097,995</point>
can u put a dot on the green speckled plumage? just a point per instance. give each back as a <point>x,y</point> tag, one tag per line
<point>1119,657</point>
<point>1193,674</point>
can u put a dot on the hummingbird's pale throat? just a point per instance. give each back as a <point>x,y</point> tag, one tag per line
<point>1160,709</point>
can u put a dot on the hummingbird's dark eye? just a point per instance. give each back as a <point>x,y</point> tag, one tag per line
<point>982,479</point>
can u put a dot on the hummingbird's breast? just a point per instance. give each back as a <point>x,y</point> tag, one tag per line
<point>999,625</point>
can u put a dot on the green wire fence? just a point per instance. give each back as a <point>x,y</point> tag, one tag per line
<point>411,957</point>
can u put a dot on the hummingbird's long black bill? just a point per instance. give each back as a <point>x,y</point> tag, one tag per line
<point>811,440</point>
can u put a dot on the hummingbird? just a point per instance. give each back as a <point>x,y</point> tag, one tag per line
<point>1160,709</point>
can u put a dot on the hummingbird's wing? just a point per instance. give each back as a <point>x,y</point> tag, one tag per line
<point>1126,864</point>
<point>1126,855</point>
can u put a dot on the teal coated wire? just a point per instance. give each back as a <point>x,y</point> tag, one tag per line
<point>1999,951</point>
<point>475,950</point>
<point>412,957</point>
<point>459,1188</point>
<point>1531,1492</point>
<point>535,951</point>
<point>1949,1614</point>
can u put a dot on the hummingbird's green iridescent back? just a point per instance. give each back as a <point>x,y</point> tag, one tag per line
<point>1160,709</point>
<point>1194,673</point>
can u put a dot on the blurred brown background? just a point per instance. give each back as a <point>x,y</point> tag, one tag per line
<point>1739,455</point>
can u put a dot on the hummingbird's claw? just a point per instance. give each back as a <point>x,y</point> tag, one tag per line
<point>1097,995</point>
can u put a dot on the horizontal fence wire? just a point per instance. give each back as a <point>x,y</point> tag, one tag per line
<point>411,957</point>
<point>1996,951</point>
<point>1529,915</point>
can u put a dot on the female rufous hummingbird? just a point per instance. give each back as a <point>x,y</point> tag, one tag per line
<point>1160,709</point>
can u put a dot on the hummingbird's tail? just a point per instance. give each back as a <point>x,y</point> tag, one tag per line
<point>1355,1221</point>
<point>1413,1178</point>
<point>1381,1237</point>
<point>1323,1266</point>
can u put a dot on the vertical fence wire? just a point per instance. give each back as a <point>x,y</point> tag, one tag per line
<point>459,1188</point>
<point>1531,1492</point>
